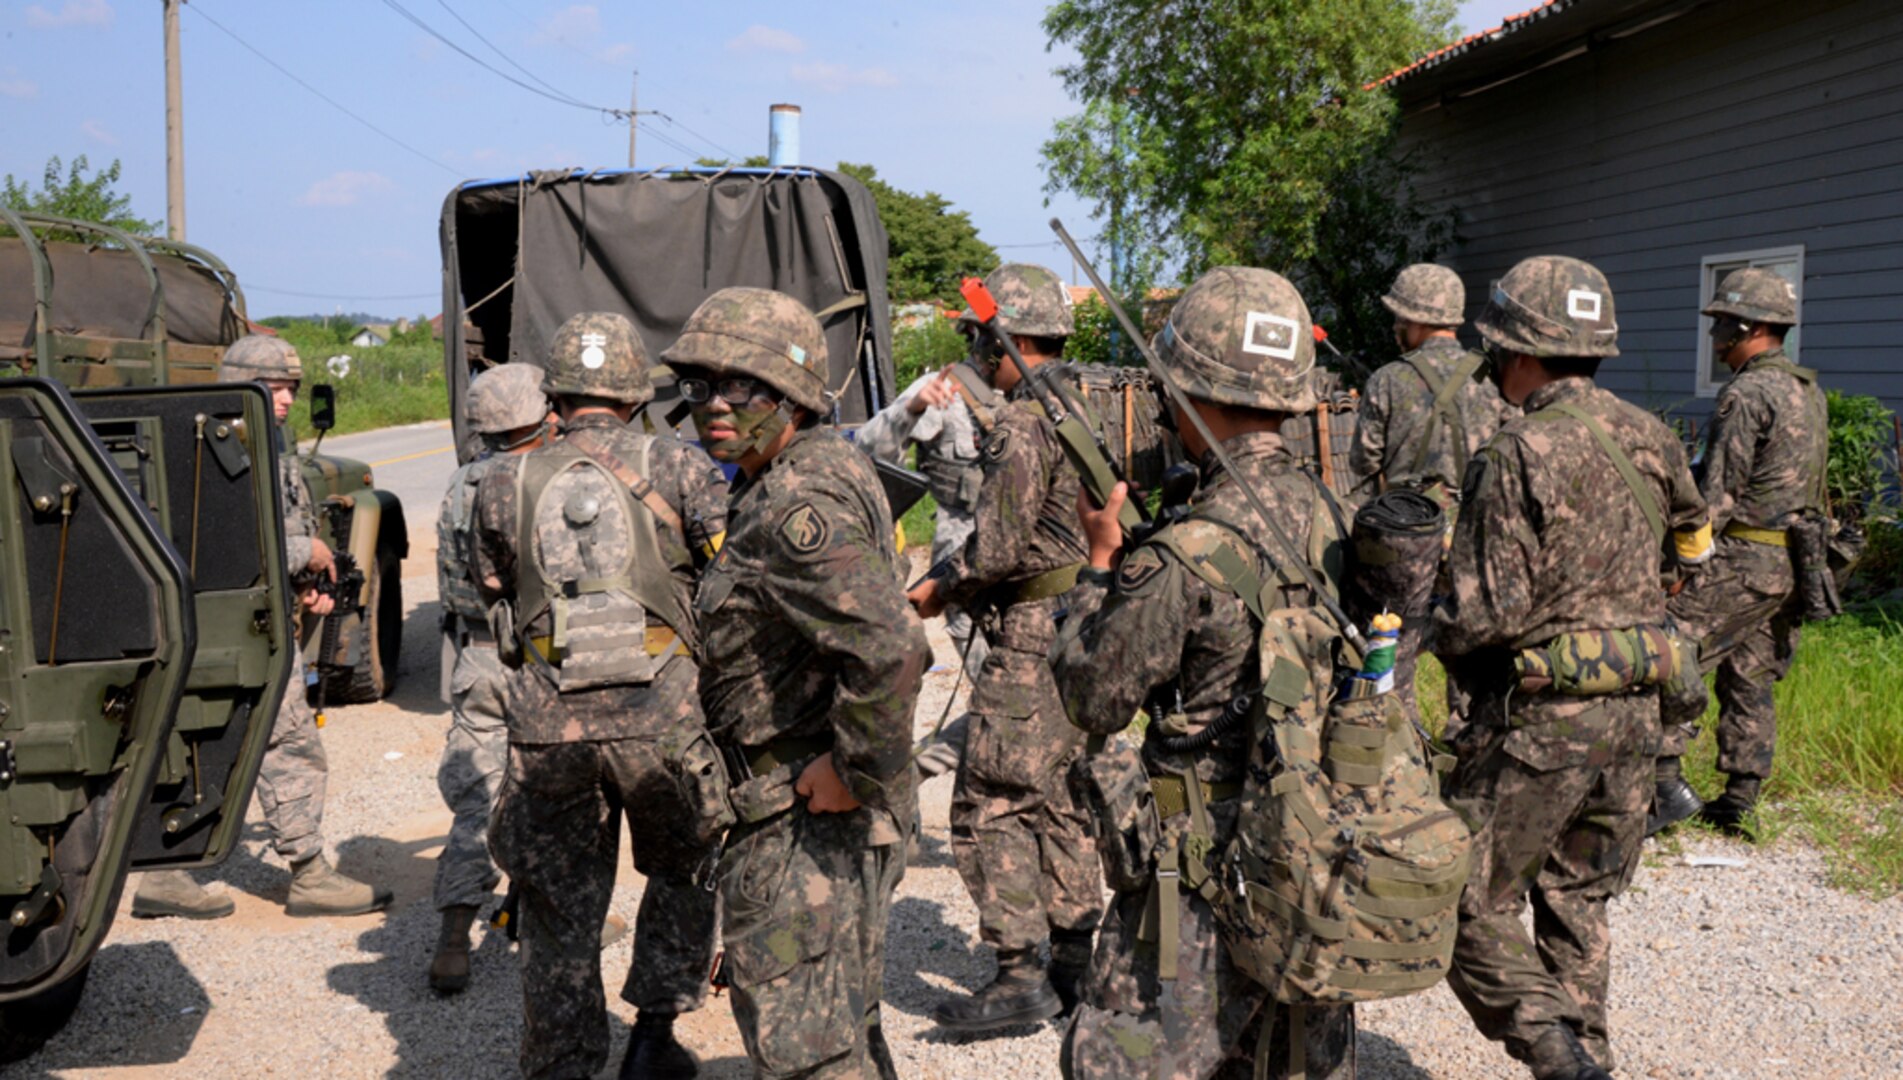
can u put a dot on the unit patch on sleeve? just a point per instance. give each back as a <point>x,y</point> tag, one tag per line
<point>806,529</point>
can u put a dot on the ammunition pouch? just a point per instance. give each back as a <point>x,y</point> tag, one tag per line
<point>1113,786</point>
<point>692,760</point>
<point>1810,543</point>
<point>502,629</point>
<point>1589,663</point>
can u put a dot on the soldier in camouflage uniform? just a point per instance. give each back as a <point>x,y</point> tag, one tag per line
<point>1023,846</point>
<point>294,773</point>
<point>1154,632</point>
<point>1563,530</point>
<point>1765,453</point>
<point>627,737</point>
<point>509,412</point>
<point>1426,414</point>
<point>811,667</point>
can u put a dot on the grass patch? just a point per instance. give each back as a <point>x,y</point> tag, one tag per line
<point>385,386</point>
<point>1838,779</point>
<point>920,523</point>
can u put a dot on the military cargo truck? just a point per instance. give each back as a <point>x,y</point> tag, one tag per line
<point>522,254</point>
<point>91,306</point>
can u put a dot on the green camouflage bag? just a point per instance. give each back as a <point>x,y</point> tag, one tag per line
<point>1585,663</point>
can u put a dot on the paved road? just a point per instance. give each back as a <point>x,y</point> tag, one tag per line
<point>414,462</point>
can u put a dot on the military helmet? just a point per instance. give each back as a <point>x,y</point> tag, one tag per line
<point>1428,294</point>
<point>757,332</point>
<point>599,354</point>
<point>1032,302</point>
<point>505,398</point>
<point>1755,295</point>
<point>1241,336</point>
<point>260,356</point>
<point>1551,306</point>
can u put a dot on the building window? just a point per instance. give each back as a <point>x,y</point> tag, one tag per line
<point>1785,262</point>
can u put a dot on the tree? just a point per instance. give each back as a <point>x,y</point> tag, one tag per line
<point>75,196</point>
<point>1239,149</point>
<point>933,247</point>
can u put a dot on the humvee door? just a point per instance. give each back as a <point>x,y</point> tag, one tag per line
<point>96,643</point>
<point>203,461</point>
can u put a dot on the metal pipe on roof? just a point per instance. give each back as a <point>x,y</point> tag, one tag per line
<point>783,135</point>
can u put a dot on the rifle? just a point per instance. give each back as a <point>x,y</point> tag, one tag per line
<point>1293,554</point>
<point>1081,444</point>
<point>345,591</point>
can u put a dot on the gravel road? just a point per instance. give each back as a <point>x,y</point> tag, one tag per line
<point>1754,970</point>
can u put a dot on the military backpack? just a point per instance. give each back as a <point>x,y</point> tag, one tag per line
<point>455,544</point>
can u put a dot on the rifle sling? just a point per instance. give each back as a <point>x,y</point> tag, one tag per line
<point>1620,461</point>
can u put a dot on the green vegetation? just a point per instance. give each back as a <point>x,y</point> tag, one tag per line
<point>920,523</point>
<point>1838,780</point>
<point>75,196</point>
<point>1862,452</point>
<point>385,386</point>
<point>928,346</point>
<point>933,247</point>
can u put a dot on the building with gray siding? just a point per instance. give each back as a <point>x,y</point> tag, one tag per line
<point>1667,142</point>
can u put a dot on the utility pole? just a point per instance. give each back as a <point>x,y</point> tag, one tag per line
<point>174,129</point>
<point>634,113</point>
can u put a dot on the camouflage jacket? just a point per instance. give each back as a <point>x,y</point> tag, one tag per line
<point>1396,410</point>
<point>1157,629</point>
<point>1766,448</point>
<point>1550,539</point>
<point>947,441</point>
<point>804,623</point>
<point>694,486</point>
<point>300,512</point>
<point>456,586</point>
<point>1025,522</point>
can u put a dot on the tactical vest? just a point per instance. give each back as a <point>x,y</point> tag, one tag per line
<point>1344,877</point>
<point>591,569</point>
<point>456,544</point>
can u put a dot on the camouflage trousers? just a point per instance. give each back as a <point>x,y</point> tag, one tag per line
<point>557,833</point>
<point>1210,1022</point>
<point>804,904</point>
<point>1741,612</point>
<point>1557,802</point>
<point>294,774</point>
<point>475,756</point>
<point>1024,848</point>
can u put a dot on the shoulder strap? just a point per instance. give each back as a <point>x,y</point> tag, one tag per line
<point>974,392</point>
<point>1620,461</point>
<point>1786,365</point>
<point>1445,408</point>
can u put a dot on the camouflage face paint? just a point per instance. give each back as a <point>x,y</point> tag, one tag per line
<point>753,426</point>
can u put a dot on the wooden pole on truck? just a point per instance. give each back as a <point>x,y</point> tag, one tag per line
<point>174,129</point>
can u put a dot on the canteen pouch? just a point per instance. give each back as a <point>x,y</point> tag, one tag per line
<point>1810,543</point>
<point>697,770</point>
<point>502,628</point>
<point>1115,788</point>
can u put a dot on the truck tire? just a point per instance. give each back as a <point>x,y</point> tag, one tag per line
<point>26,1025</point>
<point>376,677</point>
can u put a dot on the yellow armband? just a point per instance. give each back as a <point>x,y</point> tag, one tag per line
<point>1694,545</point>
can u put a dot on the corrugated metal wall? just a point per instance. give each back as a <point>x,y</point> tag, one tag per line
<point>1744,125</point>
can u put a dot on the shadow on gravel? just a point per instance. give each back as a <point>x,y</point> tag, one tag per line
<point>1381,1058</point>
<point>419,687</point>
<point>942,949</point>
<point>932,852</point>
<point>142,1006</point>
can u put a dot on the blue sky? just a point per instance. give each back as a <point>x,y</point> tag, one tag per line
<point>316,212</point>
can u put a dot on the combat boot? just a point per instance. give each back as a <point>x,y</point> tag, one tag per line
<point>1070,965</point>
<point>318,889</point>
<point>1557,1055</point>
<point>164,893</point>
<point>1021,994</point>
<point>449,968</point>
<point>653,1051</point>
<point>1735,811</point>
<point>1673,800</point>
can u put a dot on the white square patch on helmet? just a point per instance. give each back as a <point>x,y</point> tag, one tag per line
<point>1584,304</point>
<point>796,354</point>
<point>592,354</point>
<point>1269,335</point>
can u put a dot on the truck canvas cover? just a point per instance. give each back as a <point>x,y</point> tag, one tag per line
<point>521,255</point>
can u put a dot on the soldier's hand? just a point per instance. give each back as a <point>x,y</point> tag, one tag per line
<point>823,790</point>
<point>933,395</point>
<point>1101,531</point>
<point>322,560</point>
<point>315,602</point>
<point>926,600</point>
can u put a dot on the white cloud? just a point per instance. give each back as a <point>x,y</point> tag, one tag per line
<point>14,86</point>
<point>833,78</point>
<point>70,13</point>
<point>578,26</point>
<point>345,188</point>
<point>98,132</point>
<point>758,38</point>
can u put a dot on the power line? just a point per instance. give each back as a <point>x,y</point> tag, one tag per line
<point>444,4</point>
<point>553,95</point>
<point>730,154</point>
<point>199,10</point>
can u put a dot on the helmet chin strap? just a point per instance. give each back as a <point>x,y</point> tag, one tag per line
<point>1724,347</point>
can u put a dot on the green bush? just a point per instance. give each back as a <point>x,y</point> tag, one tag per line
<point>1862,452</point>
<point>928,346</point>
